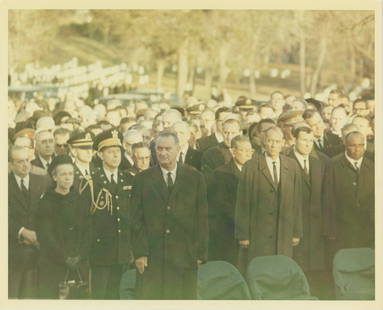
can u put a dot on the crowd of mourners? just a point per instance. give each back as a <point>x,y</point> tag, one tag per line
<point>97,189</point>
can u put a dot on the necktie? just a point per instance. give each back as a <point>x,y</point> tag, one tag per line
<point>170,181</point>
<point>112,180</point>
<point>24,190</point>
<point>275,174</point>
<point>320,144</point>
<point>356,167</point>
<point>305,167</point>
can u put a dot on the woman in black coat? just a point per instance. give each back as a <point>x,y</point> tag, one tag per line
<point>63,231</point>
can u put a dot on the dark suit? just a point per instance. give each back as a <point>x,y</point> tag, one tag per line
<point>38,163</point>
<point>21,213</point>
<point>207,142</point>
<point>171,229</point>
<point>125,163</point>
<point>350,202</point>
<point>193,158</point>
<point>222,199</point>
<point>309,254</point>
<point>110,247</point>
<point>266,214</point>
<point>332,144</point>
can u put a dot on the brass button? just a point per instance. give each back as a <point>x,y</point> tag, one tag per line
<point>118,208</point>
<point>118,219</point>
<point>98,240</point>
<point>167,231</point>
<point>119,230</point>
<point>116,196</point>
<point>168,207</point>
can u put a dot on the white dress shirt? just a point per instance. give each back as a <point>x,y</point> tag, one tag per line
<point>301,159</point>
<point>25,180</point>
<point>183,151</point>
<point>83,169</point>
<point>109,175</point>
<point>269,162</point>
<point>353,161</point>
<point>44,162</point>
<point>165,174</point>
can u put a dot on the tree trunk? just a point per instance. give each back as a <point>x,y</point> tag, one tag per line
<point>160,73</point>
<point>302,53</point>
<point>223,70</point>
<point>182,73</point>
<point>208,79</point>
<point>321,57</point>
<point>191,78</point>
<point>252,84</point>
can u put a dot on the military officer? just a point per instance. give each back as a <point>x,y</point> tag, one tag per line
<point>81,146</point>
<point>110,247</point>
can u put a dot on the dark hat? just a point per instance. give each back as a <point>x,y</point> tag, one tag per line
<point>244,103</point>
<point>60,116</point>
<point>108,138</point>
<point>59,160</point>
<point>82,140</point>
<point>24,129</point>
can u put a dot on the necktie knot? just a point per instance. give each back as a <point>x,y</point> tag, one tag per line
<point>356,166</point>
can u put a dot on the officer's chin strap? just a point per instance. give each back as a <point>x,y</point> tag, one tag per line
<point>99,204</point>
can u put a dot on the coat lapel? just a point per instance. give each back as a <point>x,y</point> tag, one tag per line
<point>159,183</point>
<point>179,183</point>
<point>266,172</point>
<point>284,174</point>
<point>16,192</point>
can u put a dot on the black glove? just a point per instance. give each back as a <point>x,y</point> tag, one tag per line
<point>72,262</point>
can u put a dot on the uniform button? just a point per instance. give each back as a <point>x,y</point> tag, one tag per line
<point>168,207</point>
<point>98,240</point>
<point>354,183</point>
<point>118,219</point>
<point>119,230</point>
<point>116,196</point>
<point>71,228</point>
<point>118,208</point>
<point>168,231</point>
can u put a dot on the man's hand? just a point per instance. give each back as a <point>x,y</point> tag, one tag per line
<point>199,262</point>
<point>28,237</point>
<point>296,241</point>
<point>244,243</point>
<point>141,263</point>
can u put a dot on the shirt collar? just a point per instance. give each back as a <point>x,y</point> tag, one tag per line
<point>82,169</point>
<point>165,172</point>
<point>270,160</point>
<point>352,161</point>
<point>300,156</point>
<point>45,163</point>
<point>109,174</point>
<point>25,179</point>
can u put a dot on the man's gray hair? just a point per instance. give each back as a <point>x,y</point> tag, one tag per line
<point>238,140</point>
<point>166,134</point>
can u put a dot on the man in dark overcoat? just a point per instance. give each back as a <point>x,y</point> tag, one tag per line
<point>350,196</point>
<point>110,252</point>
<point>24,191</point>
<point>222,199</point>
<point>268,219</point>
<point>169,225</point>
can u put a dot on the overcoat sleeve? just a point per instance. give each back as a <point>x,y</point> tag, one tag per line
<point>329,226</point>
<point>138,235</point>
<point>244,209</point>
<point>202,218</point>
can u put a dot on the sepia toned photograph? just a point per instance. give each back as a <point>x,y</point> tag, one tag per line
<point>191,154</point>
